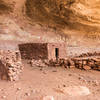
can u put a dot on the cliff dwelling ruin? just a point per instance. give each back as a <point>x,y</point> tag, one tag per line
<point>41,55</point>
<point>43,51</point>
<point>11,55</point>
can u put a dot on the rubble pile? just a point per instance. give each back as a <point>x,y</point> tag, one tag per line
<point>38,63</point>
<point>10,65</point>
<point>61,62</point>
<point>67,63</point>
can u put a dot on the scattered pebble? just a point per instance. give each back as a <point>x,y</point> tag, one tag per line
<point>44,72</point>
<point>64,85</point>
<point>41,69</point>
<point>69,74</point>
<point>33,91</point>
<point>27,94</point>
<point>58,86</point>
<point>54,71</point>
<point>95,82</point>
<point>48,98</point>
<point>18,89</point>
<point>3,97</point>
<point>80,78</point>
<point>1,90</point>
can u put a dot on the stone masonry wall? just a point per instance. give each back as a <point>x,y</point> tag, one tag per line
<point>10,65</point>
<point>34,51</point>
<point>62,50</point>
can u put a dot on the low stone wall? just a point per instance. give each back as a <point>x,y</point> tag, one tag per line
<point>87,63</point>
<point>88,54</point>
<point>68,63</point>
<point>10,65</point>
<point>81,63</point>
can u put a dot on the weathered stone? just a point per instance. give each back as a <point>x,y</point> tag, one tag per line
<point>27,94</point>
<point>3,97</point>
<point>72,66</point>
<point>95,82</point>
<point>37,63</point>
<point>76,91</point>
<point>87,63</point>
<point>18,89</point>
<point>69,74</point>
<point>87,67</point>
<point>81,78</point>
<point>48,98</point>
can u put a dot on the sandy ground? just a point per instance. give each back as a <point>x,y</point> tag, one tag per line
<point>59,83</point>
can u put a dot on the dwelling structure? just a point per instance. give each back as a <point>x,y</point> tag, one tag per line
<point>43,51</point>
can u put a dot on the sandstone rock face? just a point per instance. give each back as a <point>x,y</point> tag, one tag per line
<point>10,65</point>
<point>76,21</point>
<point>82,15</point>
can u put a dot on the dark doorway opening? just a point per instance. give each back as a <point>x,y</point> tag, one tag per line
<point>57,53</point>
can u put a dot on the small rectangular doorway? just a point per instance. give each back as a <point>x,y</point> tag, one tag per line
<point>57,53</point>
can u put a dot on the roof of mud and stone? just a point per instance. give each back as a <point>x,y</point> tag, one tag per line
<point>56,43</point>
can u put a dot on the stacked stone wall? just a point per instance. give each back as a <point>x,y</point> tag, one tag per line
<point>34,51</point>
<point>10,65</point>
